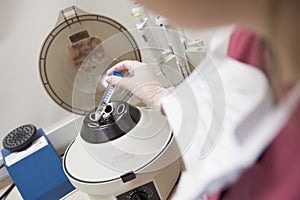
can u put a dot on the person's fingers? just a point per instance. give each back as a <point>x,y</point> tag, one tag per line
<point>113,80</point>
<point>125,66</point>
<point>116,68</point>
<point>122,66</point>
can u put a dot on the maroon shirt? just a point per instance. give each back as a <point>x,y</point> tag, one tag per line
<point>276,174</point>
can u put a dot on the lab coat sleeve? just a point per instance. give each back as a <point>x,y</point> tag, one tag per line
<point>203,112</point>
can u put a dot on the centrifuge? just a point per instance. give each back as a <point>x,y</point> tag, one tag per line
<point>129,153</point>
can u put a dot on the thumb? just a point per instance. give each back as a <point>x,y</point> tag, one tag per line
<point>114,80</point>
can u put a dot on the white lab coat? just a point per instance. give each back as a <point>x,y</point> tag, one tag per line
<point>220,116</point>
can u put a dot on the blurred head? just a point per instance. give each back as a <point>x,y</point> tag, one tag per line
<point>276,21</point>
<point>207,13</point>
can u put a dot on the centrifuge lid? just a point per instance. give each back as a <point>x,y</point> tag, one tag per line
<point>65,82</point>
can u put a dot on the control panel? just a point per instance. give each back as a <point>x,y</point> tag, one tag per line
<point>144,192</point>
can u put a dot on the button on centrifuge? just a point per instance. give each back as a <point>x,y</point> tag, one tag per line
<point>139,195</point>
<point>143,192</point>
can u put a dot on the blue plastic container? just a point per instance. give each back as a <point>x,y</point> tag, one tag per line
<point>37,171</point>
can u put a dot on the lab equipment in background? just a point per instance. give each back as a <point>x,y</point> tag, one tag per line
<point>130,153</point>
<point>183,54</point>
<point>145,28</point>
<point>34,165</point>
<point>176,45</point>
